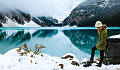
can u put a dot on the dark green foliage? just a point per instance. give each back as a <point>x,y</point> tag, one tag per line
<point>52,19</point>
<point>24,14</point>
<point>47,21</point>
<point>35,20</point>
<point>65,22</point>
<point>1,25</point>
<point>26,37</point>
<point>38,22</point>
<point>2,35</point>
<point>3,19</point>
<point>20,16</point>
<point>44,33</point>
<point>73,23</point>
<point>18,19</point>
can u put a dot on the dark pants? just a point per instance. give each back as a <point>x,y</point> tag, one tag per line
<point>101,54</point>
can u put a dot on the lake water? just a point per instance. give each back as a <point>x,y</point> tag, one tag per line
<point>57,40</point>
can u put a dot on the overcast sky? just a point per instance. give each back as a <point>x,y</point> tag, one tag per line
<point>58,9</point>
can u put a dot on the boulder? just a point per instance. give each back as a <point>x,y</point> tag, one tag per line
<point>112,52</point>
<point>61,66</point>
<point>67,56</point>
<point>75,63</point>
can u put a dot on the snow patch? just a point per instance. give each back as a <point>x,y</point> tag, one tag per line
<point>84,60</point>
<point>11,23</point>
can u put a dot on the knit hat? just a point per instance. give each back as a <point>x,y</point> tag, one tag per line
<point>98,24</point>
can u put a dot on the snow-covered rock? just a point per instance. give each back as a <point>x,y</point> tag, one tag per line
<point>115,36</point>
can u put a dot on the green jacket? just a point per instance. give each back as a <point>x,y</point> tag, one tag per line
<point>102,42</point>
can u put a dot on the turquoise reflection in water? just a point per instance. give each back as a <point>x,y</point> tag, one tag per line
<point>58,41</point>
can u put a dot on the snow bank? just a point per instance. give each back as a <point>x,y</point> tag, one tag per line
<point>115,36</point>
<point>13,61</point>
<point>70,26</point>
<point>30,24</point>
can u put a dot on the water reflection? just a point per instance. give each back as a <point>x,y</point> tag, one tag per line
<point>58,42</point>
<point>2,35</point>
<point>44,33</point>
<point>113,32</point>
<point>86,39</point>
<point>19,36</point>
<point>10,39</point>
<point>83,39</point>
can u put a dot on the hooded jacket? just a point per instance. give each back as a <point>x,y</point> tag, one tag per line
<point>102,42</point>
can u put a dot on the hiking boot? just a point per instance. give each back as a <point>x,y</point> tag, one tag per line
<point>91,60</point>
<point>99,65</point>
<point>87,65</point>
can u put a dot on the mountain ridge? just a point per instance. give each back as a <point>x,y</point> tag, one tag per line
<point>88,12</point>
<point>12,17</point>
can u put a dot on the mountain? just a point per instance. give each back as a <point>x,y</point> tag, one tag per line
<point>90,11</point>
<point>46,21</point>
<point>10,17</point>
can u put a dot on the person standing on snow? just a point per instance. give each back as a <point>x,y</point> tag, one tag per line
<point>101,44</point>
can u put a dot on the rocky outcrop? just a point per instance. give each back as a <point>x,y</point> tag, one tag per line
<point>75,63</point>
<point>112,54</point>
<point>67,56</point>
<point>61,65</point>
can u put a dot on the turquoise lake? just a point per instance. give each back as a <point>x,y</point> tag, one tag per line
<point>57,40</point>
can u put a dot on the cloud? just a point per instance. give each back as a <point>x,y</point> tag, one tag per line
<point>59,9</point>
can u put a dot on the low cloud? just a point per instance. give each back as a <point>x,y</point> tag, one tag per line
<point>59,9</point>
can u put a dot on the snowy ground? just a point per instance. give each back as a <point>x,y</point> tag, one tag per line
<point>13,61</point>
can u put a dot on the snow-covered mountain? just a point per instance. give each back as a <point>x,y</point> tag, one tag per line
<point>90,11</point>
<point>46,21</point>
<point>58,9</point>
<point>10,17</point>
<point>14,18</point>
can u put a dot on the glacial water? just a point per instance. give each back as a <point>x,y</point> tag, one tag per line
<point>57,40</point>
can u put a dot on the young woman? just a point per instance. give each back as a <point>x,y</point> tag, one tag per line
<point>101,44</point>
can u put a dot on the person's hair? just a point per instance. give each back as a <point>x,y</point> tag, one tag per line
<point>99,29</point>
<point>104,26</point>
